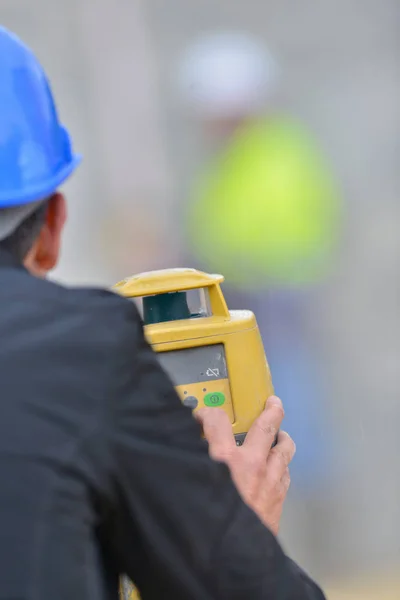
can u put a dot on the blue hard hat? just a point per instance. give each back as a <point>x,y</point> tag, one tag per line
<point>36,155</point>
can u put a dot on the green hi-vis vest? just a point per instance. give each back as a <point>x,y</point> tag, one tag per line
<point>267,210</point>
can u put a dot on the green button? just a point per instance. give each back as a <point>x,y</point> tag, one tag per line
<point>214,399</point>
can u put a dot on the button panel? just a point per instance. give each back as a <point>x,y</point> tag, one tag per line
<point>211,393</point>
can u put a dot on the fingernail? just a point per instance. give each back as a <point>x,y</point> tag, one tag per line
<point>275,401</point>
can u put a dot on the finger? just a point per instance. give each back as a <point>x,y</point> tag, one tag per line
<point>285,481</point>
<point>262,433</point>
<point>217,430</point>
<point>281,455</point>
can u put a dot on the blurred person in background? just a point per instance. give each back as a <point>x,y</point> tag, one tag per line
<point>265,212</point>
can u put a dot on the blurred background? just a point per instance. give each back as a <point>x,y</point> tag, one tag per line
<point>259,139</point>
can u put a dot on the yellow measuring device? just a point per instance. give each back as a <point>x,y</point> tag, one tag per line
<point>214,356</point>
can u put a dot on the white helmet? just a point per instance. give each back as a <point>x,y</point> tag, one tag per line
<point>227,74</point>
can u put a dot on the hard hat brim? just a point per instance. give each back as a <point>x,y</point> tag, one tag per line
<point>40,191</point>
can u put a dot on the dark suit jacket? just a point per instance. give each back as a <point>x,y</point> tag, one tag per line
<point>104,472</point>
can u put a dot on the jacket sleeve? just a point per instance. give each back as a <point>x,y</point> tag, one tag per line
<point>179,527</point>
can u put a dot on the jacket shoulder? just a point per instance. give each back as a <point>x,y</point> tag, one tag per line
<point>107,307</point>
<point>99,299</point>
<point>95,312</point>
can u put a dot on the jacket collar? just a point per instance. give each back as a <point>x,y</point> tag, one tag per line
<point>7,260</point>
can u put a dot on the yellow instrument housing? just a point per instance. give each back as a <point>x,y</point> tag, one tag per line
<point>241,383</point>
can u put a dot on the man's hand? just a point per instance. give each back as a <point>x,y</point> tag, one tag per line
<point>260,473</point>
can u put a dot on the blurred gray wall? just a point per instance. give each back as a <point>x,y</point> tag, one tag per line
<point>341,64</point>
<point>99,57</point>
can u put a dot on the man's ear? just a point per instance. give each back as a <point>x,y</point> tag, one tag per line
<point>45,253</point>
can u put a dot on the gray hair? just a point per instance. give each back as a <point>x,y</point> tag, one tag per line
<point>28,224</point>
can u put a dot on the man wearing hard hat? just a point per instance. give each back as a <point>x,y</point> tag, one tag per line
<point>103,471</point>
<point>264,212</point>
